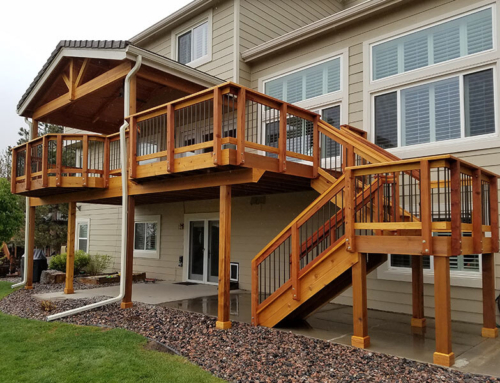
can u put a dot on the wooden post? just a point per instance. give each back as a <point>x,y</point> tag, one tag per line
<point>217,124</point>
<point>133,148</point>
<point>456,213</point>
<point>282,137</point>
<point>490,329</point>
<point>45,160</point>
<point>59,151</point>
<point>85,159</point>
<point>494,214</point>
<point>255,293</point>
<point>223,319</point>
<point>106,162</point>
<point>34,129</point>
<point>316,148</point>
<point>240,126</point>
<point>359,304</point>
<point>70,249</point>
<point>28,255</point>
<point>426,207</point>
<point>477,217</point>
<point>417,274</point>
<point>295,266</point>
<point>443,355</point>
<point>129,263</point>
<point>170,138</point>
<point>350,208</point>
<point>27,168</point>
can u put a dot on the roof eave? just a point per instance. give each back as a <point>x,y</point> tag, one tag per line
<point>324,25</point>
<point>175,18</point>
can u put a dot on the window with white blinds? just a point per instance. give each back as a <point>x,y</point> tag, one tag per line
<point>460,37</point>
<point>307,83</point>
<point>146,237</point>
<point>467,263</point>
<point>193,44</point>
<point>433,111</point>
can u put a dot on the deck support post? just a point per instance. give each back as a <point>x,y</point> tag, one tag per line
<point>444,355</point>
<point>28,255</point>
<point>70,249</point>
<point>417,283</point>
<point>359,304</point>
<point>223,320</point>
<point>129,265</point>
<point>490,329</point>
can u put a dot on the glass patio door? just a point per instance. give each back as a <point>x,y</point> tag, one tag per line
<point>204,250</point>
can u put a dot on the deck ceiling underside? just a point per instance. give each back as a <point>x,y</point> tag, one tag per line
<point>102,110</point>
<point>270,183</point>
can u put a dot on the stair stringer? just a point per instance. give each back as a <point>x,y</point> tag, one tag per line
<point>318,274</point>
<point>323,182</point>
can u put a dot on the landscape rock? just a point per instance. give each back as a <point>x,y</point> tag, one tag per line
<point>50,277</point>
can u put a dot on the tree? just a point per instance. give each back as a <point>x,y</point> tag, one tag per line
<point>43,129</point>
<point>11,212</point>
<point>6,163</point>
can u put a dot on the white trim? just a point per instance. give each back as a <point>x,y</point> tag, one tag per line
<point>79,221</point>
<point>154,254</point>
<point>214,216</point>
<point>205,17</point>
<point>403,274</point>
<point>326,24</point>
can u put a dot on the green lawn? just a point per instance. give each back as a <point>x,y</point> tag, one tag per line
<point>35,351</point>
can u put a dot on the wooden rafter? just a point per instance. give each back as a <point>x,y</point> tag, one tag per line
<point>169,81</point>
<point>84,90</point>
<point>81,73</point>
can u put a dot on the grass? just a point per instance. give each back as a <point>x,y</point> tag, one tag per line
<point>35,351</point>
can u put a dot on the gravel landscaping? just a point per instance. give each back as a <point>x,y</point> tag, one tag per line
<point>244,353</point>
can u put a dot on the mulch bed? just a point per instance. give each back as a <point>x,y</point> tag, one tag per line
<point>245,353</point>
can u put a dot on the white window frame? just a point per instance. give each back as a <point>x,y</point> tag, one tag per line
<point>77,232</point>
<point>195,22</point>
<point>468,64</point>
<point>425,146</point>
<point>340,97</point>
<point>154,254</point>
<point>433,24</point>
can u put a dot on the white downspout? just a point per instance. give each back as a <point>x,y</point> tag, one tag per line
<point>27,223</point>
<point>123,160</point>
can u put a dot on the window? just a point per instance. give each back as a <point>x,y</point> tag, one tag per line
<point>192,44</point>
<point>304,84</point>
<point>82,234</point>
<point>467,263</point>
<point>457,107</point>
<point>146,237</point>
<point>460,37</point>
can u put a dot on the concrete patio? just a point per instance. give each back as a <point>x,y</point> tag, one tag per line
<point>390,333</point>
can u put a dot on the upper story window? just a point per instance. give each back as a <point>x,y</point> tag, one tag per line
<point>192,44</point>
<point>456,107</point>
<point>313,81</point>
<point>460,37</point>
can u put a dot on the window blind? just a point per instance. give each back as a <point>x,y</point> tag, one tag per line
<point>307,83</point>
<point>386,120</point>
<point>479,103</point>
<point>184,48</point>
<point>415,110</point>
<point>460,37</point>
<point>200,36</point>
<point>140,239</point>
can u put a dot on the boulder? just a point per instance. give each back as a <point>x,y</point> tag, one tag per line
<point>50,277</point>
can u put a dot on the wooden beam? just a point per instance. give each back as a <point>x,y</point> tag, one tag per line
<point>170,138</point>
<point>169,81</point>
<point>81,72</point>
<point>31,247</point>
<point>477,216</point>
<point>27,168</point>
<point>417,283</point>
<point>70,249</point>
<point>45,159</point>
<point>223,318</point>
<point>240,126</point>
<point>282,137</point>
<point>129,262</point>
<point>350,210</point>
<point>360,304</point>
<point>490,329</point>
<point>494,214</point>
<point>295,261</point>
<point>444,355</point>
<point>84,90</point>
<point>72,80</point>
<point>217,119</point>
<point>456,212</point>
<point>85,159</point>
<point>426,207</point>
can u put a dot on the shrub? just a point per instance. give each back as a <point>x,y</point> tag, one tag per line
<point>47,306</point>
<point>58,262</point>
<point>98,263</point>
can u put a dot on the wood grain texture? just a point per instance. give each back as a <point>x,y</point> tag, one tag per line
<point>224,256</point>
<point>70,249</point>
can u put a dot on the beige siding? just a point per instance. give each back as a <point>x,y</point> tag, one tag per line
<point>253,226</point>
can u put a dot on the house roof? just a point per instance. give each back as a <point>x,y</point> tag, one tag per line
<point>117,46</point>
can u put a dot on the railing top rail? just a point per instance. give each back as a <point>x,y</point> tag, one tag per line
<point>301,112</point>
<point>52,136</point>
<point>414,163</point>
